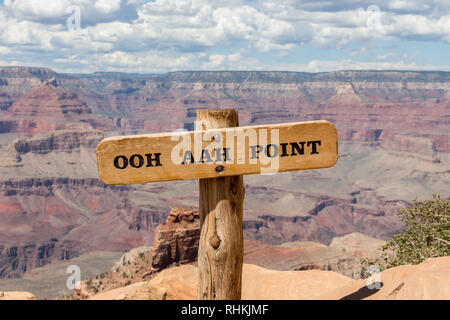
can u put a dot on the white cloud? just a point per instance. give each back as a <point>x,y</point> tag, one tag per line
<point>408,5</point>
<point>347,64</point>
<point>36,9</point>
<point>215,60</point>
<point>419,27</point>
<point>56,11</point>
<point>112,32</point>
<point>201,34</point>
<point>234,57</point>
<point>385,56</point>
<point>5,50</point>
<point>107,6</point>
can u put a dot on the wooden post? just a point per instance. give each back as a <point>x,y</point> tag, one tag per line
<point>221,247</point>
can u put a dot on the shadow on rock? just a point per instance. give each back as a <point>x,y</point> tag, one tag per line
<point>364,292</point>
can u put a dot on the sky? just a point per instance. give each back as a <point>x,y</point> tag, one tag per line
<point>81,36</point>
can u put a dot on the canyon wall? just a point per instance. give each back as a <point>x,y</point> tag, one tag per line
<point>393,132</point>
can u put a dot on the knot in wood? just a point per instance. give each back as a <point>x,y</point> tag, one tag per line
<point>214,240</point>
<point>234,189</point>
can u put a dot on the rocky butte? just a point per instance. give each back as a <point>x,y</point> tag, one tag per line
<point>393,135</point>
<point>176,243</point>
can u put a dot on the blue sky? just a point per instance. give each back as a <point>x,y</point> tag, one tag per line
<point>170,35</point>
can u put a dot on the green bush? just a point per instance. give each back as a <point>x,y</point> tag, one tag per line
<point>426,235</point>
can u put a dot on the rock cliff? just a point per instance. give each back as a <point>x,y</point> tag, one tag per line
<point>426,281</point>
<point>392,126</point>
<point>176,241</point>
<point>16,260</point>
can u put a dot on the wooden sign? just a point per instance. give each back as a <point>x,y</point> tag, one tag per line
<point>221,149</point>
<point>264,149</point>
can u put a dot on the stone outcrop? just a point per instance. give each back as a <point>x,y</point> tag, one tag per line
<point>16,295</point>
<point>59,141</point>
<point>392,127</point>
<point>429,280</point>
<point>16,260</point>
<point>342,255</point>
<point>177,239</point>
<point>48,101</point>
<point>175,242</point>
<point>321,219</point>
<point>301,256</point>
<point>131,256</point>
<point>358,245</point>
<point>180,283</point>
<point>27,225</point>
<point>135,291</point>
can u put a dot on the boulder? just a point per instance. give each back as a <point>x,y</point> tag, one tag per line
<point>176,241</point>
<point>135,291</point>
<point>358,245</point>
<point>16,295</point>
<point>177,283</point>
<point>427,280</point>
<point>180,283</point>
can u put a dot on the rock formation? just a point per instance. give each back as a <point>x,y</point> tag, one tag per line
<point>428,280</point>
<point>135,291</point>
<point>257,283</point>
<point>16,295</point>
<point>358,245</point>
<point>342,255</point>
<point>176,241</point>
<point>393,145</point>
<point>16,260</point>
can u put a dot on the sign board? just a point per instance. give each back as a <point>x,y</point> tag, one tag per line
<point>261,149</point>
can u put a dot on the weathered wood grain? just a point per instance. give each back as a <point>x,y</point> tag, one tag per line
<point>221,247</point>
<point>260,149</point>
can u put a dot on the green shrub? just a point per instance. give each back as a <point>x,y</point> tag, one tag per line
<point>426,234</point>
